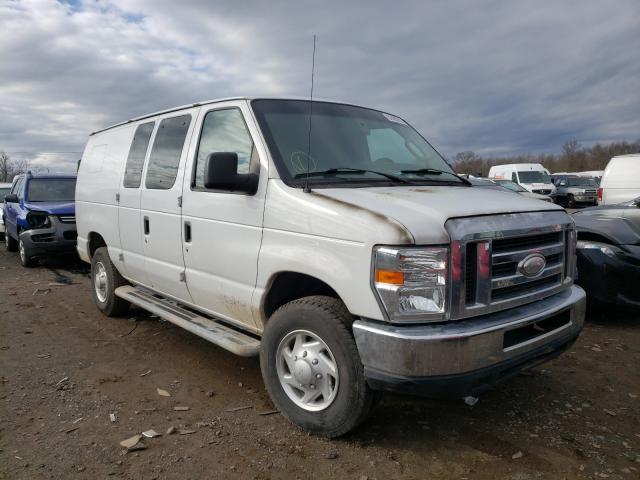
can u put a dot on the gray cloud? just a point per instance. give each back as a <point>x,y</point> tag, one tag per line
<point>495,77</point>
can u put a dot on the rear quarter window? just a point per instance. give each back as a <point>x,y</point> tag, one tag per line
<point>137,154</point>
<point>166,152</point>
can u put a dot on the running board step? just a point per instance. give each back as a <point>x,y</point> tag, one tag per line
<point>221,335</point>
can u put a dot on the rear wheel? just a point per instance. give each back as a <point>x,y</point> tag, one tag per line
<point>9,243</point>
<point>25,257</point>
<point>311,367</point>
<point>105,279</point>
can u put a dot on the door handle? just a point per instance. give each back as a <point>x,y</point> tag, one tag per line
<point>187,232</point>
<point>146,225</point>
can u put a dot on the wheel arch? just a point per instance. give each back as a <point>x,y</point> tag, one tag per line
<point>286,286</point>
<point>94,242</point>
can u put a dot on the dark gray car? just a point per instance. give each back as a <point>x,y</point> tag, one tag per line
<point>609,252</point>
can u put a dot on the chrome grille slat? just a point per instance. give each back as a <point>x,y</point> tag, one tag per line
<point>67,218</point>
<point>516,256</point>
<point>508,281</point>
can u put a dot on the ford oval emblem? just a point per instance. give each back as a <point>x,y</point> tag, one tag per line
<point>532,265</point>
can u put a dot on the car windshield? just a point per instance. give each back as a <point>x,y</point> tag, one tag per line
<point>534,176</point>
<point>581,182</point>
<point>3,193</point>
<point>348,144</point>
<point>511,186</point>
<point>52,190</point>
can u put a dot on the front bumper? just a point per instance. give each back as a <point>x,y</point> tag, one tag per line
<point>58,238</point>
<point>610,279</point>
<point>465,357</point>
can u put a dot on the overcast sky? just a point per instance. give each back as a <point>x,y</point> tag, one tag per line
<point>496,77</point>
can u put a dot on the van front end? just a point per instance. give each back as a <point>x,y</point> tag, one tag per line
<point>506,302</point>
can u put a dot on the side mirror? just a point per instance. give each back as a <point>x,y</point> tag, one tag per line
<point>11,198</point>
<point>563,183</point>
<point>221,173</point>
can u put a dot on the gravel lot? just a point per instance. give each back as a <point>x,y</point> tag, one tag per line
<point>64,369</point>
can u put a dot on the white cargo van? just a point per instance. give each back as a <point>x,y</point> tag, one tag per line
<point>532,176</point>
<point>339,247</point>
<point>621,180</point>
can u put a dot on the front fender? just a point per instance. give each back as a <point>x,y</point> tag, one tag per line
<point>343,265</point>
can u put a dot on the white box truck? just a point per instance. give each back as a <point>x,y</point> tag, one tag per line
<point>621,180</point>
<point>335,243</point>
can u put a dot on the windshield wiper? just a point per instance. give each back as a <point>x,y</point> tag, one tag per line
<point>336,171</point>
<point>433,171</point>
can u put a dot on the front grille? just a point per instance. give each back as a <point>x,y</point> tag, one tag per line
<point>504,242</point>
<point>542,191</point>
<point>507,282</point>
<point>43,237</point>
<point>67,218</point>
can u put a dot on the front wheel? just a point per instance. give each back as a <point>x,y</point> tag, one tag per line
<point>311,367</point>
<point>105,279</point>
<point>25,257</point>
<point>571,202</point>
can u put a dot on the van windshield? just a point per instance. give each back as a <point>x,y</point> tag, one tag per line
<point>534,176</point>
<point>52,190</point>
<point>347,144</point>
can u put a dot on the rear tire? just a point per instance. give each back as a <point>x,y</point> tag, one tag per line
<point>25,257</point>
<point>105,278</point>
<point>9,243</point>
<point>302,367</point>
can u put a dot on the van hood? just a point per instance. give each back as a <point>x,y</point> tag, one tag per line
<point>423,210</point>
<point>52,208</point>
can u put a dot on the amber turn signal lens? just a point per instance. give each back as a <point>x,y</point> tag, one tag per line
<point>389,276</point>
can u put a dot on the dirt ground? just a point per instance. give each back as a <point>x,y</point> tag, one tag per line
<point>64,368</point>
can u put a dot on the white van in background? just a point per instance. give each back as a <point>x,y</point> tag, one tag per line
<point>621,180</point>
<point>356,263</point>
<point>532,176</point>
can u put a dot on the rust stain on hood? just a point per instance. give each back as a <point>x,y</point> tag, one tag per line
<point>403,232</point>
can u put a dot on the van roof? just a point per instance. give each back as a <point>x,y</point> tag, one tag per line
<point>219,100</point>
<point>628,155</point>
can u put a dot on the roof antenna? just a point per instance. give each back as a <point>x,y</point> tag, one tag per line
<point>306,188</point>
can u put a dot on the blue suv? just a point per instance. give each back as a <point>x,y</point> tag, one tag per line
<point>40,216</point>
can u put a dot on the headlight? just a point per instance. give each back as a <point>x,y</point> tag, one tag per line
<point>38,220</point>
<point>608,250</point>
<point>411,283</point>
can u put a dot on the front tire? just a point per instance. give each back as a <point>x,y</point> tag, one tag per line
<point>571,202</point>
<point>311,367</point>
<point>105,279</point>
<point>10,244</point>
<point>25,257</point>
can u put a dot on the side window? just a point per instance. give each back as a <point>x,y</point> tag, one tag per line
<point>135,160</point>
<point>514,177</point>
<point>224,131</point>
<point>17,188</point>
<point>166,152</point>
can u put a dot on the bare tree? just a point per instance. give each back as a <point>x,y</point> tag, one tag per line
<point>10,168</point>
<point>573,158</point>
